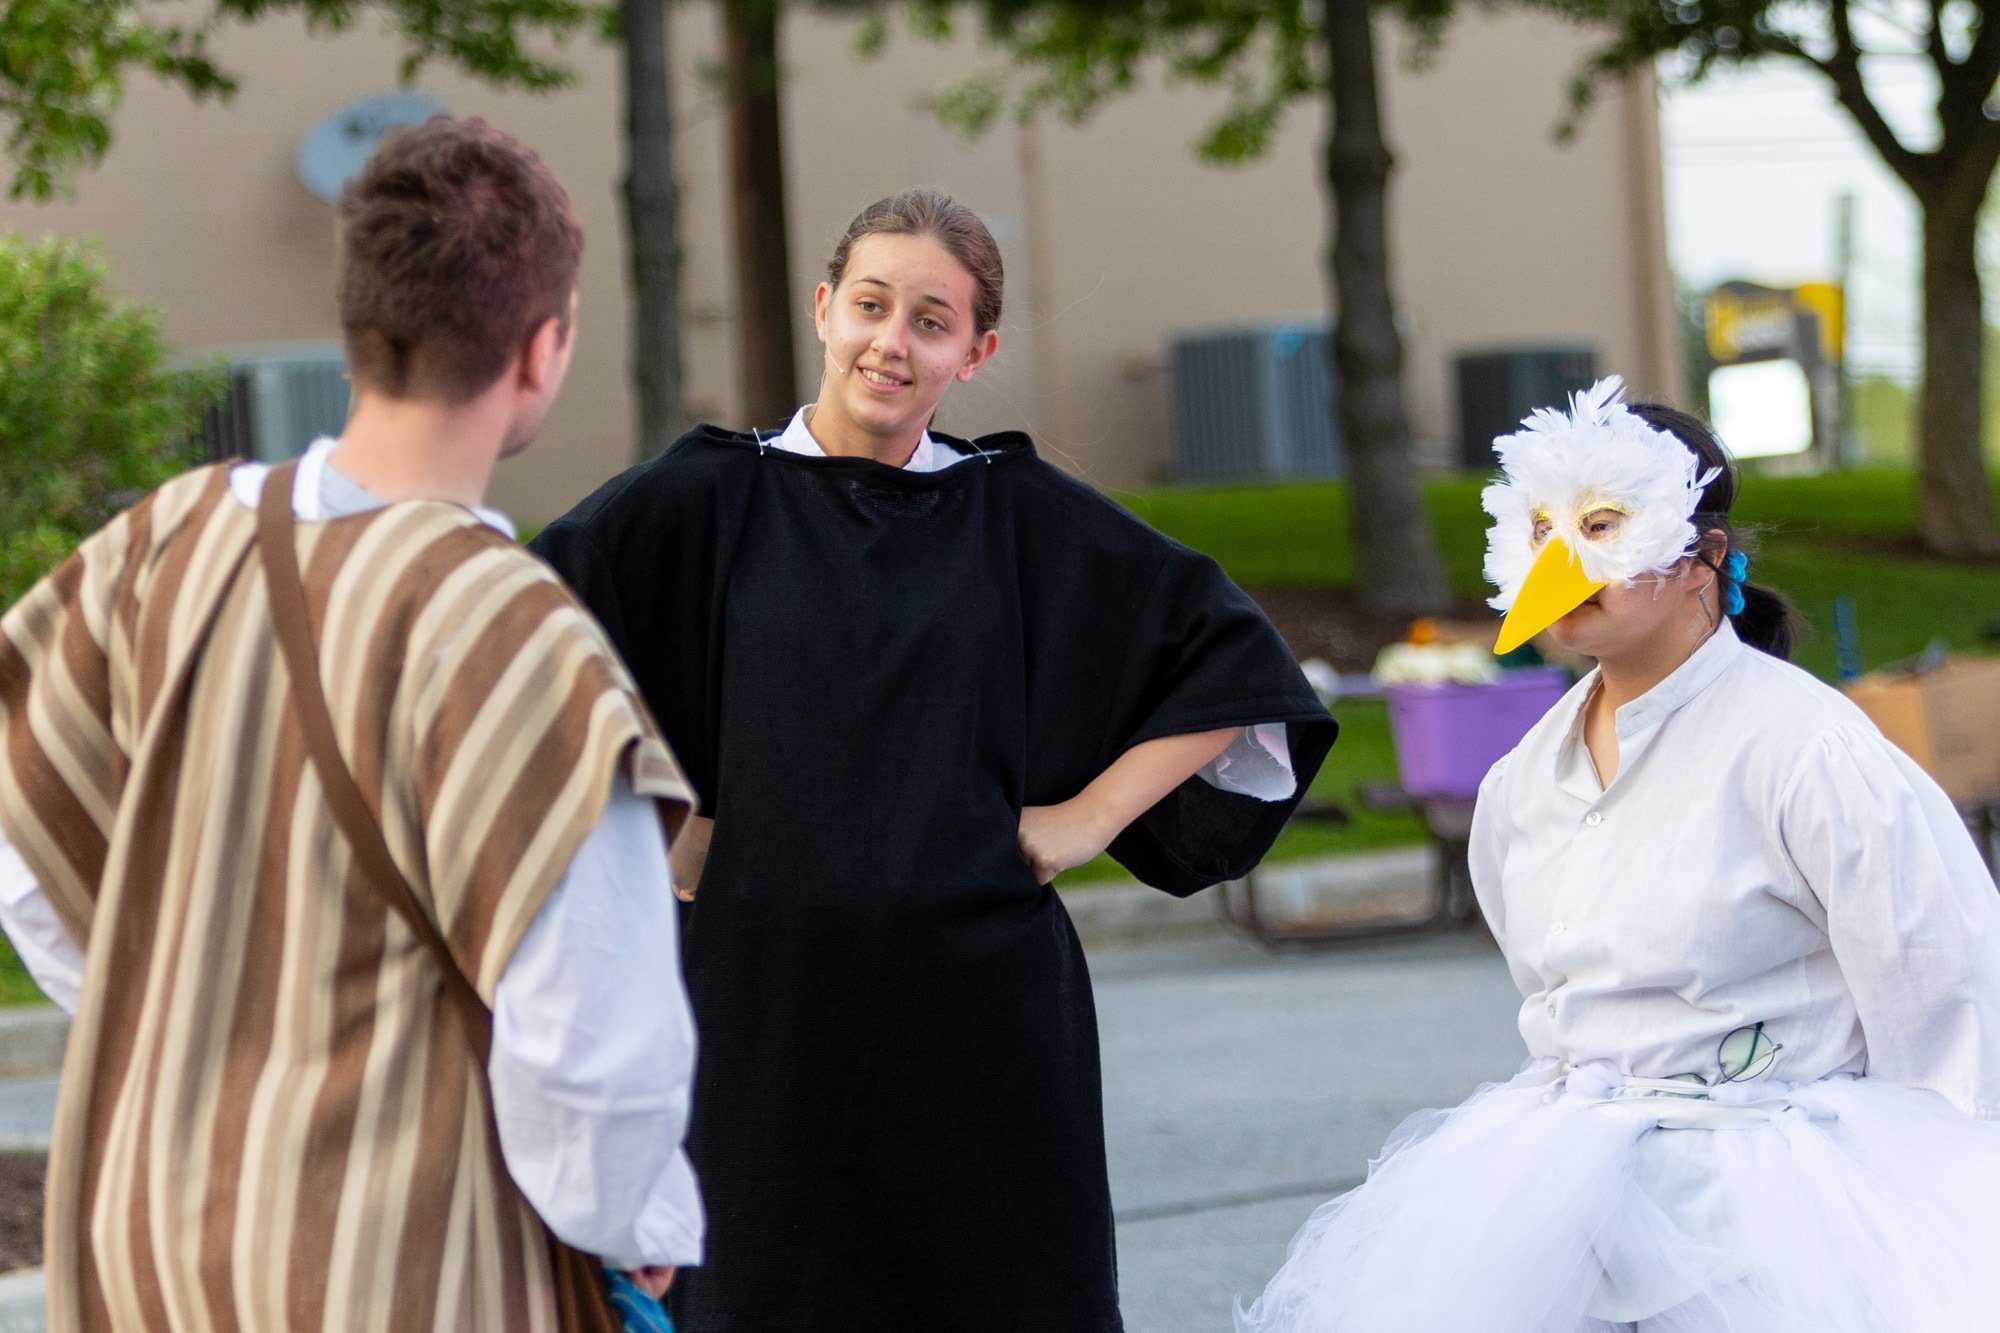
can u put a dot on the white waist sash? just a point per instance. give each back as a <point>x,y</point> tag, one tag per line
<point>1669,1103</point>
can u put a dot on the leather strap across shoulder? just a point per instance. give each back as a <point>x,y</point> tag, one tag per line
<point>277,542</point>
<point>583,1301</point>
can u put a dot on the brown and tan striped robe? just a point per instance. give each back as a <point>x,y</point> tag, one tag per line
<point>270,1118</point>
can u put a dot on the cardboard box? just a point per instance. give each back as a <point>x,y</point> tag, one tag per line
<point>1947,719</point>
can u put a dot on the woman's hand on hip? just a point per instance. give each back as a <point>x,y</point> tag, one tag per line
<point>1055,838</point>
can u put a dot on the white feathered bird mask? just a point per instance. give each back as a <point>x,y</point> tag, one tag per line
<point>1561,470</point>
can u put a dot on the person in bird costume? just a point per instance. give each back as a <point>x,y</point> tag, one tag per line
<point>1758,954</point>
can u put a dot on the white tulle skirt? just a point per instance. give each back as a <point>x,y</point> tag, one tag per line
<point>1572,1201</point>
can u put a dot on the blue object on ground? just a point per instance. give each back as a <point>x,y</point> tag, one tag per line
<point>1846,638</point>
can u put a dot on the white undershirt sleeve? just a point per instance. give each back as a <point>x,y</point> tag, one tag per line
<point>52,956</point>
<point>593,1052</point>
<point>1257,763</point>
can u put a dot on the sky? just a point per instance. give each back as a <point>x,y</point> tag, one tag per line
<point>1756,163</point>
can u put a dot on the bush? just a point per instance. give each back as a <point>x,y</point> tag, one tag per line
<point>92,413</point>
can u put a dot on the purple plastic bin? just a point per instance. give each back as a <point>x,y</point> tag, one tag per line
<point>1447,736</point>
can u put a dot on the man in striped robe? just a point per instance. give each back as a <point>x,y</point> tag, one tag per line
<point>273,1115</point>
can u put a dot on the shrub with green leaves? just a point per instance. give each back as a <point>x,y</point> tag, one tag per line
<point>92,412</point>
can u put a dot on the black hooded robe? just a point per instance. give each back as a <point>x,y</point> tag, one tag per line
<point>867,673</point>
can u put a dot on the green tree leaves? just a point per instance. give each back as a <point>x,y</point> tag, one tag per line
<point>91,411</point>
<point>63,63</point>
<point>62,69</point>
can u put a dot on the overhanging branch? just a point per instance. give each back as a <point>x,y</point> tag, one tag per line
<point>1971,81</point>
<point>1934,44</point>
<point>1843,70</point>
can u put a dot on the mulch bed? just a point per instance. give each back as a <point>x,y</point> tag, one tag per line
<point>21,1210</point>
<point>1331,623</point>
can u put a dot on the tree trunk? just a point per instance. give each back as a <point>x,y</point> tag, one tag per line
<point>1955,511</point>
<point>757,201</point>
<point>1397,567</point>
<point>652,226</point>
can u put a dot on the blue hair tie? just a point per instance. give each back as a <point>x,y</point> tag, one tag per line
<point>1734,571</point>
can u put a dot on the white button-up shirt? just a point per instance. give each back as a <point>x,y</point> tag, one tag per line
<point>1763,856</point>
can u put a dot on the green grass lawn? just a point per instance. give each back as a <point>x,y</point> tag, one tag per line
<point>16,987</point>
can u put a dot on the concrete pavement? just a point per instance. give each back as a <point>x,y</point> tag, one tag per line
<point>1242,1089</point>
<point>27,1110</point>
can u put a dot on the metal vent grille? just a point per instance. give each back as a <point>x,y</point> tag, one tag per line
<point>280,400</point>
<point>1256,402</point>
<point>1497,388</point>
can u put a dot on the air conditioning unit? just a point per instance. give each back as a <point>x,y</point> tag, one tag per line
<point>1499,387</point>
<point>280,400</point>
<point>1255,403</point>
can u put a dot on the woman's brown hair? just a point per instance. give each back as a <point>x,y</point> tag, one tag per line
<point>1767,619</point>
<point>933,213</point>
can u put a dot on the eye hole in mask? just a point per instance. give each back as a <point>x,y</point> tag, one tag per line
<point>1602,524</point>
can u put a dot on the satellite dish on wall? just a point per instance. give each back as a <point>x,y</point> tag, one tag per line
<point>338,145</point>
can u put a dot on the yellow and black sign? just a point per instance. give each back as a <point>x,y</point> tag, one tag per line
<point>1746,321</point>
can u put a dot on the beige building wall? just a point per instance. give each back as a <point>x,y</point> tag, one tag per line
<point>1115,236</point>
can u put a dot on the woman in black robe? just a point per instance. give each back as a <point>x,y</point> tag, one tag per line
<point>912,678</point>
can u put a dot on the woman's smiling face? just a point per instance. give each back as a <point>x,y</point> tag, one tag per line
<point>899,331</point>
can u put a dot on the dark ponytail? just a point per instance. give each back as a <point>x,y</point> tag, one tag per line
<point>1768,620</point>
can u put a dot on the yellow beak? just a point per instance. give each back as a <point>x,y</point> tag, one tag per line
<point>1556,585</point>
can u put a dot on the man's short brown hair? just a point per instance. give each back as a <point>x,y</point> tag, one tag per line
<point>456,242</point>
